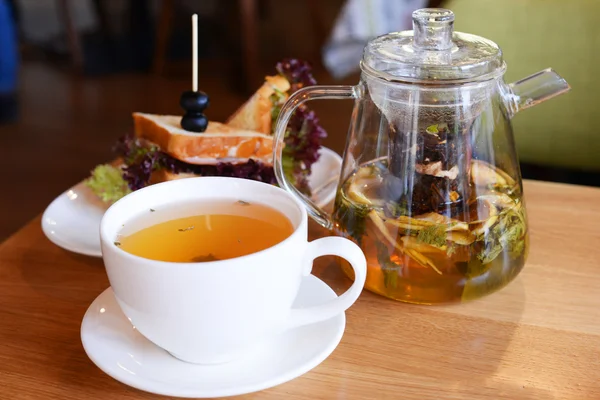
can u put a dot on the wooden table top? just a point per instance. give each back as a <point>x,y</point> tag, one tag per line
<point>538,338</point>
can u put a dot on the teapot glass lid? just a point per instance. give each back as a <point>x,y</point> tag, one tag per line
<point>432,52</point>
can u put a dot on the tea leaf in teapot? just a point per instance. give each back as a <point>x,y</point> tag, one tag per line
<point>389,268</point>
<point>434,235</point>
<point>491,252</point>
<point>451,249</point>
<point>351,217</point>
<point>491,244</point>
<point>507,234</point>
<point>518,247</point>
<point>436,129</point>
<point>397,209</point>
<point>513,238</point>
<point>432,130</point>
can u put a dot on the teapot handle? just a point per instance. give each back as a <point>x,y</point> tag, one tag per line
<point>294,101</point>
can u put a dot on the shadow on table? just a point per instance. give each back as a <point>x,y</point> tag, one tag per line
<point>482,348</point>
<point>455,351</point>
<point>60,274</point>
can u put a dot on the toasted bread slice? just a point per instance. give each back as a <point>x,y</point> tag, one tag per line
<point>219,143</point>
<point>255,114</point>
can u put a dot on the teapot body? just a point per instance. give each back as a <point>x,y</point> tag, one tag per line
<point>430,186</point>
<point>431,190</point>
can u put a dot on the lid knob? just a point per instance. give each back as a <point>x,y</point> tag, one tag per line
<point>433,28</point>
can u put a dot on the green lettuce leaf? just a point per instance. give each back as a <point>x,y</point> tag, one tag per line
<point>106,181</point>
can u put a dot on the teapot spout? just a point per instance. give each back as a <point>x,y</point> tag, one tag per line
<point>535,89</point>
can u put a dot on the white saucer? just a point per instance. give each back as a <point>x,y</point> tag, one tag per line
<point>72,220</point>
<point>119,350</point>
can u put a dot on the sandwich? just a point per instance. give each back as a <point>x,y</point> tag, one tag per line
<point>159,149</point>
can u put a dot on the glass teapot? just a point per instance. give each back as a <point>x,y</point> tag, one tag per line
<point>430,186</point>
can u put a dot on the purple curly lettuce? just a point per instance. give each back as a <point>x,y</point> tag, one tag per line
<point>251,169</point>
<point>141,161</point>
<point>297,72</point>
<point>304,134</point>
<point>137,174</point>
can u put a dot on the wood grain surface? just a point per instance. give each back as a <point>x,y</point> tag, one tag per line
<point>538,338</point>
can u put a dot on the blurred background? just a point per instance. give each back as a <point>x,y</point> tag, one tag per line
<point>73,71</point>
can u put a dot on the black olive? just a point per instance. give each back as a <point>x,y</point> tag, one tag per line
<point>194,101</point>
<point>194,122</point>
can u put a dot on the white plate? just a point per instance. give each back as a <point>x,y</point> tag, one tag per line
<point>118,349</point>
<point>72,220</point>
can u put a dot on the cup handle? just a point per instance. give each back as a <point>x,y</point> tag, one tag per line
<point>336,246</point>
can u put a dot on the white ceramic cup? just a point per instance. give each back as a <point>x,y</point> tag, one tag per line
<point>213,312</point>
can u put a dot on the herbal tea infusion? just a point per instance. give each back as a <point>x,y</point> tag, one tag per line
<point>204,231</point>
<point>437,255</point>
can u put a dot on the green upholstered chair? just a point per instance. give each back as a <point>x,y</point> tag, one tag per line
<point>563,132</point>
